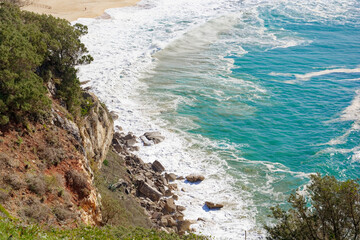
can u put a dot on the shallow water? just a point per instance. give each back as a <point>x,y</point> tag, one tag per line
<point>255,95</point>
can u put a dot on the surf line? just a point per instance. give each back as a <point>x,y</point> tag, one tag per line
<point>308,76</point>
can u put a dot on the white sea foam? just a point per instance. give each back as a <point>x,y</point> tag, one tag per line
<point>127,48</point>
<point>308,76</point>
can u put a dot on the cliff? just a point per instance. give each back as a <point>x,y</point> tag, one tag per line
<point>47,169</point>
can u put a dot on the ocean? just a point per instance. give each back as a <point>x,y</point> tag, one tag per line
<point>254,95</point>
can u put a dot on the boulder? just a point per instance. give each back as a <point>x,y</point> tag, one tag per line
<point>156,215</point>
<point>157,166</point>
<point>146,141</point>
<point>180,208</point>
<point>164,221</point>
<point>171,222</point>
<point>170,176</point>
<point>179,216</point>
<point>118,184</point>
<point>195,178</point>
<point>168,193</point>
<point>114,116</point>
<point>170,206</point>
<point>183,226</point>
<point>212,205</point>
<point>173,186</point>
<point>154,136</point>
<point>149,191</point>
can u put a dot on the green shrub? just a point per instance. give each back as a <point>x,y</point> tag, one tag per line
<point>106,162</point>
<point>18,231</point>
<point>330,211</point>
<point>33,49</point>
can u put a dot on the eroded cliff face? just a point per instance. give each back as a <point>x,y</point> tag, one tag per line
<point>46,170</point>
<point>96,130</point>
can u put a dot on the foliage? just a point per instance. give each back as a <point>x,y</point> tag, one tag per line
<point>19,231</point>
<point>34,49</point>
<point>331,211</point>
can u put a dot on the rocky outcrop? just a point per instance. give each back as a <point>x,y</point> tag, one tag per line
<point>150,184</point>
<point>96,130</point>
<point>149,191</point>
<point>94,135</point>
<point>155,137</point>
<point>195,178</point>
<point>212,205</point>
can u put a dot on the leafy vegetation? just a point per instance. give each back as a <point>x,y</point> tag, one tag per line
<point>10,229</point>
<point>330,211</point>
<point>35,49</point>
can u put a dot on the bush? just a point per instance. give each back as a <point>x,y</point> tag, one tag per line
<point>36,184</point>
<point>52,156</point>
<point>4,195</point>
<point>62,214</point>
<point>6,161</point>
<point>78,183</point>
<point>330,211</point>
<point>37,211</point>
<point>14,181</point>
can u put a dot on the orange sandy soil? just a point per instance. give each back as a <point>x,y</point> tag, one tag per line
<point>71,10</point>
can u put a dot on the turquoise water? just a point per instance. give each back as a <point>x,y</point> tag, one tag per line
<point>246,93</point>
<point>255,95</point>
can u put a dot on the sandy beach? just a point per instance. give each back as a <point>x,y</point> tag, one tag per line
<point>74,9</point>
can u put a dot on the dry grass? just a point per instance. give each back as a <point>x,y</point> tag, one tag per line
<point>77,182</point>
<point>36,184</point>
<point>14,181</point>
<point>118,208</point>
<point>63,214</point>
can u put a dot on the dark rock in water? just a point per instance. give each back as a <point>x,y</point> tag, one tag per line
<point>213,205</point>
<point>154,136</point>
<point>149,191</point>
<point>195,178</point>
<point>157,166</point>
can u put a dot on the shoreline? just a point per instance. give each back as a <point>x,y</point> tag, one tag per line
<point>73,10</point>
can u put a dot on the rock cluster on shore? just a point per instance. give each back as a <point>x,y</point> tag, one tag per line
<point>153,187</point>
